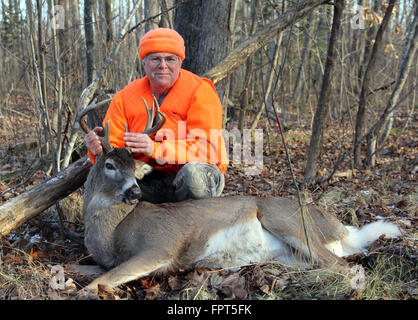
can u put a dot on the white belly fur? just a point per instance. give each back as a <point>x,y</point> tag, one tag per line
<point>242,244</point>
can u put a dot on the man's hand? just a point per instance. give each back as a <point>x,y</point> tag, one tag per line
<point>139,143</point>
<point>92,141</point>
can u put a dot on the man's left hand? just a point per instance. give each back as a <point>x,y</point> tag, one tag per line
<point>139,143</point>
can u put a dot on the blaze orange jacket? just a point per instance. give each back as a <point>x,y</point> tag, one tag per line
<point>193,127</point>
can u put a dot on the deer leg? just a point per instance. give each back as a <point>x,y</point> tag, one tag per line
<point>132,269</point>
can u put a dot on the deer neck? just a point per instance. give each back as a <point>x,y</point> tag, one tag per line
<point>101,221</point>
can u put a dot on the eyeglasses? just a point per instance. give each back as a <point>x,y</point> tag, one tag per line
<point>169,61</point>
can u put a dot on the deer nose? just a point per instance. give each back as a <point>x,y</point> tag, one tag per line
<point>133,193</point>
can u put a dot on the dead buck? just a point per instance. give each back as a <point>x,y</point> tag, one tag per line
<point>133,239</point>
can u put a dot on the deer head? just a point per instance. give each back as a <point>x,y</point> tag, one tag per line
<point>113,176</point>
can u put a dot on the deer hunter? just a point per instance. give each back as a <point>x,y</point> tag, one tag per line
<point>191,106</point>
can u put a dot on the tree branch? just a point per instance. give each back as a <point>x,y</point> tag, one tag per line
<point>248,47</point>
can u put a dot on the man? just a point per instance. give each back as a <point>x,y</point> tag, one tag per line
<point>187,154</point>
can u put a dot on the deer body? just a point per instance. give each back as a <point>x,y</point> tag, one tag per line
<point>214,233</point>
<point>136,239</point>
<point>133,239</point>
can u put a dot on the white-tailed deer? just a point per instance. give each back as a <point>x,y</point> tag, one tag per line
<point>133,239</point>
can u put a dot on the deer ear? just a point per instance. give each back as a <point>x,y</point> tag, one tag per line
<point>142,169</point>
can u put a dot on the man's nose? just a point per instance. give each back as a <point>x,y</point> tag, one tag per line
<point>163,64</point>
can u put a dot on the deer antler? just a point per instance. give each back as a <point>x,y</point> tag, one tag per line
<point>149,129</point>
<point>159,117</point>
<point>105,142</point>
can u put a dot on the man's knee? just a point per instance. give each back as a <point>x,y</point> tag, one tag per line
<point>198,180</point>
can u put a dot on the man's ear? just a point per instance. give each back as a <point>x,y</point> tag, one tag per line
<point>142,169</point>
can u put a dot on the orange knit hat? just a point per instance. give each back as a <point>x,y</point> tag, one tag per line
<point>162,40</point>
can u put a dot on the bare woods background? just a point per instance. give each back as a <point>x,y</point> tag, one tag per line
<point>338,64</point>
<point>340,75</point>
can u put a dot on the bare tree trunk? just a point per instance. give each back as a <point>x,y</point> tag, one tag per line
<point>42,80</point>
<point>59,88</point>
<point>106,9</point>
<point>88,30</point>
<point>204,27</point>
<point>166,19</point>
<point>151,8</point>
<point>109,25</point>
<point>64,41</point>
<point>244,97</point>
<point>409,52</point>
<point>322,108</point>
<point>231,30</point>
<point>269,83</point>
<point>72,57</point>
<point>366,45</point>
<point>366,84</point>
<point>297,92</point>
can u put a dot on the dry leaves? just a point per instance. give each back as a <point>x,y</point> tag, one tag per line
<point>388,191</point>
<point>58,285</point>
<point>233,286</point>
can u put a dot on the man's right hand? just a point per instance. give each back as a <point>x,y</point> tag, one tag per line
<point>92,141</point>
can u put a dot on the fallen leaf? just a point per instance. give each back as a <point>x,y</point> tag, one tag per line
<point>33,254</point>
<point>195,278</point>
<point>146,284</point>
<point>152,289</point>
<point>281,283</point>
<point>233,286</point>
<point>12,259</point>
<point>265,289</point>
<point>175,283</point>
<point>358,279</point>
<point>154,292</point>
<point>106,292</point>
<point>57,281</point>
<point>361,202</point>
<point>70,286</point>
<point>402,203</point>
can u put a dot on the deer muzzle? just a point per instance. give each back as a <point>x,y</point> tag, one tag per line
<point>132,194</point>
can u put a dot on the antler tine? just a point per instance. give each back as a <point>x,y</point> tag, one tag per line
<point>82,118</point>
<point>148,125</point>
<point>160,117</point>
<point>126,131</point>
<point>105,142</point>
<point>84,125</point>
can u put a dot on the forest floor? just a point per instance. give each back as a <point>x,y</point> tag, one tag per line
<point>36,262</point>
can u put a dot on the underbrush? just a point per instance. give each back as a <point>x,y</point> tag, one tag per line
<point>31,255</point>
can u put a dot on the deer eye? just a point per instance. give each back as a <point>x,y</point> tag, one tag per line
<point>109,166</point>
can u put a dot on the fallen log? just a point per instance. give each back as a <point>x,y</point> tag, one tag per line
<point>18,210</point>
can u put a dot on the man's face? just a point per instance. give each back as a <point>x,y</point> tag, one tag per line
<point>162,69</point>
